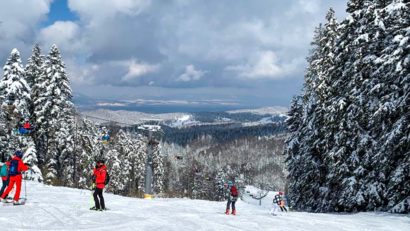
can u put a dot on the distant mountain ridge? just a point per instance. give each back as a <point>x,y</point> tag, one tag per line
<point>246,117</point>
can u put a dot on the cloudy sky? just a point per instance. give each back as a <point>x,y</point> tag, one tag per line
<point>251,52</point>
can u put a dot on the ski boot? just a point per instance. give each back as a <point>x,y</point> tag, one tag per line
<point>227,212</point>
<point>94,208</point>
<point>233,212</point>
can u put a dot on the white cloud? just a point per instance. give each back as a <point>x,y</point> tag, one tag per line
<point>310,6</point>
<point>19,17</point>
<point>65,34</point>
<point>19,20</point>
<point>82,74</point>
<point>191,74</point>
<point>137,69</point>
<point>265,65</point>
<point>105,9</point>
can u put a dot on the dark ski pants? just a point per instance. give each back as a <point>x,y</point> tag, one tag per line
<point>282,208</point>
<point>3,187</point>
<point>98,193</point>
<point>229,203</point>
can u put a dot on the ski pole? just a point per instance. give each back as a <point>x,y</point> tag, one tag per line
<point>25,189</point>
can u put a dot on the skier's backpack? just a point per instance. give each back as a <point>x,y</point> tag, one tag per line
<point>234,191</point>
<point>13,170</point>
<point>107,178</point>
<point>4,171</point>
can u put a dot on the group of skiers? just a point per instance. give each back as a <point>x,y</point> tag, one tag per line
<point>233,194</point>
<point>11,174</point>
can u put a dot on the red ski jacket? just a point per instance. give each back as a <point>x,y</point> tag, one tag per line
<point>27,125</point>
<point>4,178</point>
<point>100,174</point>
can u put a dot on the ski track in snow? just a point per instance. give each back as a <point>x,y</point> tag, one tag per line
<point>59,208</point>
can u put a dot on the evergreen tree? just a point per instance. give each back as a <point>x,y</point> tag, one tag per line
<point>14,90</point>
<point>33,70</point>
<point>158,168</point>
<point>53,111</point>
<point>14,99</point>
<point>30,157</point>
<point>86,150</point>
<point>350,128</point>
<point>392,112</point>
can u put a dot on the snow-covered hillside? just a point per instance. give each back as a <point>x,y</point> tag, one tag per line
<point>276,110</point>
<point>128,117</point>
<point>59,208</point>
<point>261,116</point>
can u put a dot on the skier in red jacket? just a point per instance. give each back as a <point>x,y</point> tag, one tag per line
<point>233,197</point>
<point>15,169</point>
<point>101,178</point>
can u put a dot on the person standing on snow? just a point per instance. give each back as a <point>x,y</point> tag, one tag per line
<point>280,200</point>
<point>15,177</point>
<point>101,178</point>
<point>4,172</point>
<point>233,197</point>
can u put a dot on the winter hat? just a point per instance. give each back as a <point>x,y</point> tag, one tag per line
<point>230,183</point>
<point>101,160</point>
<point>19,154</point>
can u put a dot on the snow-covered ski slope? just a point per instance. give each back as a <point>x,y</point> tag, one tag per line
<point>59,208</point>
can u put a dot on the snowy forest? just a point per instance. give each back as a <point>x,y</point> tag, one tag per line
<point>349,144</point>
<point>62,146</point>
<point>201,159</point>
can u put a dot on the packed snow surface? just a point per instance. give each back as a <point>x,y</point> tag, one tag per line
<point>59,208</point>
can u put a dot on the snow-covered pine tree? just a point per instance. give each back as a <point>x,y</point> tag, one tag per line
<point>14,90</point>
<point>14,99</point>
<point>87,148</point>
<point>353,139</point>
<point>54,115</point>
<point>365,130</point>
<point>220,181</point>
<point>30,157</point>
<point>114,164</point>
<point>158,168</point>
<point>124,146</point>
<point>293,152</point>
<point>306,166</point>
<point>33,70</point>
<point>392,114</point>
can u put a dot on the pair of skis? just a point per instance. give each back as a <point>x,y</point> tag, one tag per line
<point>22,201</point>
